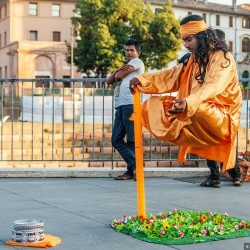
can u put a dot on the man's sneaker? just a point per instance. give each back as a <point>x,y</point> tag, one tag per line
<point>237,182</point>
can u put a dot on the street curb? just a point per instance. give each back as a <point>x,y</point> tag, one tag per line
<point>98,172</point>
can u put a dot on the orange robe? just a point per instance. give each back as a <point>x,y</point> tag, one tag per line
<point>209,125</point>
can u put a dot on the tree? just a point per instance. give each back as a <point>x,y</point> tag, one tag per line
<point>107,24</point>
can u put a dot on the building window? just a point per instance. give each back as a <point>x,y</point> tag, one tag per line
<point>5,38</point>
<point>0,40</point>
<point>5,72</point>
<point>5,10</point>
<point>56,36</point>
<point>42,84</point>
<point>231,21</point>
<point>55,9</point>
<point>217,20</point>
<point>33,35</point>
<point>66,84</point>
<point>1,74</point>
<point>230,45</point>
<point>245,44</point>
<point>189,13</point>
<point>33,9</point>
<point>246,23</point>
<point>204,17</point>
<point>0,13</point>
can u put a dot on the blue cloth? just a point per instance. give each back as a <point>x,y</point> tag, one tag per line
<point>124,127</point>
<point>185,58</point>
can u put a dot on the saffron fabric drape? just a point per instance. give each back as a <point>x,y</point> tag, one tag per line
<point>49,241</point>
<point>209,125</point>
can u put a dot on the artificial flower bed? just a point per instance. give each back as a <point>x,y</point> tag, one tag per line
<point>182,227</point>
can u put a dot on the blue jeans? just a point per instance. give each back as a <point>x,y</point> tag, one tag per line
<point>122,128</point>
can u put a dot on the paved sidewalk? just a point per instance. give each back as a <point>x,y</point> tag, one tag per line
<point>79,210</point>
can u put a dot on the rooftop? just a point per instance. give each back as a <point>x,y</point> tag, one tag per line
<point>243,9</point>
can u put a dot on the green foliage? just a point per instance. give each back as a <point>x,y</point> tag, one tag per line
<point>105,25</point>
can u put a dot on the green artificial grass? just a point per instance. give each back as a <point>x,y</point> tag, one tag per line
<point>180,227</point>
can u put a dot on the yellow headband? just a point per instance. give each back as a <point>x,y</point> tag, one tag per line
<point>192,27</point>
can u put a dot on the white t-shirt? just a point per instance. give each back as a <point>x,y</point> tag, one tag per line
<point>122,93</point>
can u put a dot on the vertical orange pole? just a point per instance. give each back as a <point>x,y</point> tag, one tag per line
<point>139,154</point>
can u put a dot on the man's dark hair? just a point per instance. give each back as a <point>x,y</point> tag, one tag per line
<point>191,18</point>
<point>135,43</point>
<point>208,41</point>
<point>221,34</point>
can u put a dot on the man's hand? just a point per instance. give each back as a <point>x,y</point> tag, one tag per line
<point>179,105</point>
<point>133,83</point>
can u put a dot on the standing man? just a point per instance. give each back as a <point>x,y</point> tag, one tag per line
<point>204,117</point>
<point>123,126</point>
<point>212,165</point>
<point>214,168</point>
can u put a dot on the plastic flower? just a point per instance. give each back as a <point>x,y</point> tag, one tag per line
<point>162,232</point>
<point>141,217</point>
<point>181,219</point>
<point>204,232</point>
<point>203,218</point>
<point>181,234</point>
<point>242,223</point>
<point>217,219</point>
<point>236,227</point>
<point>150,221</point>
<point>165,224</point>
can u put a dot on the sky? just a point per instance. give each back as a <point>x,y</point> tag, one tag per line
<point>229,2</point>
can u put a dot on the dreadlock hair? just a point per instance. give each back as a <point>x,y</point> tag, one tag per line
<point>208,41</point>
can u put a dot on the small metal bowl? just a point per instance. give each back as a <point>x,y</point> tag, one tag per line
<point>27,224</point>
<point>28,236</point>
<point>27,230</point>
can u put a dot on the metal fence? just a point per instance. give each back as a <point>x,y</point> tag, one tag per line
<point>71,120</point>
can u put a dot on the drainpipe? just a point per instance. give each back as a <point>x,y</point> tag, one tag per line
<point>236,42</point>
<point>209,24</point>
